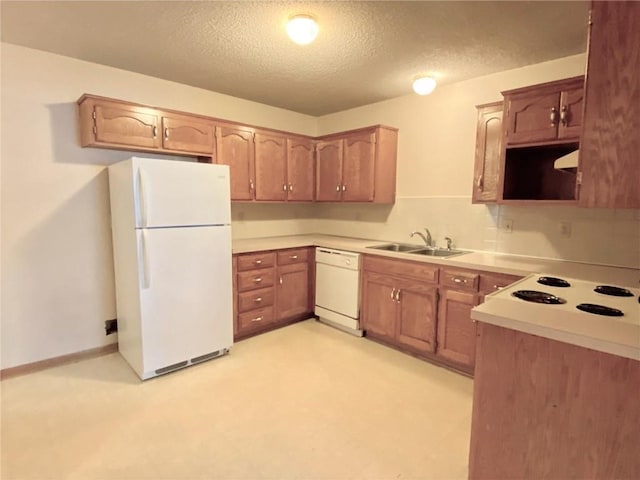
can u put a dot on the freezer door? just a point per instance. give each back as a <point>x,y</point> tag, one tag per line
<point>185,291</point>
<point>180,193</point>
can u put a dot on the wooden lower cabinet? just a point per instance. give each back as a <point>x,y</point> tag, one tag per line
<point>456,330</point>
<point>424,309</point>
<point>272,289</point>
<point>399,310</point>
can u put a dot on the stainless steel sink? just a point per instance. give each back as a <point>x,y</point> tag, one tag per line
<point>437,252</point>
<point>397,247</point>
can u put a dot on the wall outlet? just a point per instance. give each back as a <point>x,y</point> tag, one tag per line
<point>565,229</point>
<point>111,326</point>
<point>506,225</point>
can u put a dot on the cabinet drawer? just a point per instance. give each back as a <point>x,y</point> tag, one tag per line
<point>256,260</point>
<point>459,279</point>
<point>490,282</point>
<point>297,255</point>
<point>255,299</point>
<point>255,319</point>
<point>418,270</point>
<point>255,279</point>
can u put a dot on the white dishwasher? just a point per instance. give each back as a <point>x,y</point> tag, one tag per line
<point>338,289</point>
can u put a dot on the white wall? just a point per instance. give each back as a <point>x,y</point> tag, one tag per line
<point>436,144</point>
<point>57,270</point>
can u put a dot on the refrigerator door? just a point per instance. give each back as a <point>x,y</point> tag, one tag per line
<point>185,293</point>
<point>180,193</point>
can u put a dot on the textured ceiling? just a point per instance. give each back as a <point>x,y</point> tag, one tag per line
<point>365,51</point>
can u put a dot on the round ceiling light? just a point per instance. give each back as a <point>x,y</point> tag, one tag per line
<point>302,29</point>
<point>424,85</point>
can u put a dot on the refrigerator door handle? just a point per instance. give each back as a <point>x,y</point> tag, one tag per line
<point>141,202</point>
<point>143,260</point>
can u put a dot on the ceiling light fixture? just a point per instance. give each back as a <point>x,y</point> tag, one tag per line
<point>302,29</point>
<point>424,85</point>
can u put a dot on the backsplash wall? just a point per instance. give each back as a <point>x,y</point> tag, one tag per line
<point>610,237</point>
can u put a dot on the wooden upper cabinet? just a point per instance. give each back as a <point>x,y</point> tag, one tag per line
<point>300,171</point>
<point>271,167</point>
<point>546,112</point>
<point>488,151</point>
<point>358,167</point>
<point>125,125</point>
<point>609,153</point>
<point>329,170</point>
<point>187,133</point>
<point>234,147</point>
<point>571,106</point>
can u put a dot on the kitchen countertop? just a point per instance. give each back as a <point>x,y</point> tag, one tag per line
<point>485,261</point>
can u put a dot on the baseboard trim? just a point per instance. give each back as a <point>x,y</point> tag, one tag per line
<point>57,361</point>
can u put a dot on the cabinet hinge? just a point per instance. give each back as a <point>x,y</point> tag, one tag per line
<point>579,178</point>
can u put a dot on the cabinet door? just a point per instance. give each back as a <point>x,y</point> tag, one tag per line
<point>126,125</point>
<point>571,104</point>
<point>329,171</point>
<point>378,305</point>
<point>234,147</point>
<point>532,117</point>
<point>300,169</point>
<point>611,133</point>
<point>358,167</point>
<point>187,134</point>
<point>271,167</point>
<point>488,151</point>
<point>292,296</point>
<point>456,330</point>
<point>417,304</point>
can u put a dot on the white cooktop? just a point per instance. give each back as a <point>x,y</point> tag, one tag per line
<point>564,322</point>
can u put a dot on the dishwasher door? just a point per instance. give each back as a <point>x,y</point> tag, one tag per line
<point>337,284</point>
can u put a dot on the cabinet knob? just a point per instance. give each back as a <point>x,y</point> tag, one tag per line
<point>553,116</point>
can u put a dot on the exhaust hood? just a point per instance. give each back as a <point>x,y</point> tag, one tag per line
<point>568,161</point>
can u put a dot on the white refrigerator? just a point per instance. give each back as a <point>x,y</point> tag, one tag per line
<point>171,226</point>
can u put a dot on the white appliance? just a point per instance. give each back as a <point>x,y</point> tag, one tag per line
<point>172,255</point>
<point>338,289</point>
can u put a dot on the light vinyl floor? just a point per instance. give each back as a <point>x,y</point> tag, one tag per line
<point>303,402</point>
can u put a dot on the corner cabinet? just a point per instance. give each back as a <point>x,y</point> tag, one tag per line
<point>357,166</point>
<point>609,163</point>
<point>488,151</point>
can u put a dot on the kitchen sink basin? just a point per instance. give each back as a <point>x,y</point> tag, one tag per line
<point>437,252</point>
<point>397,247</point>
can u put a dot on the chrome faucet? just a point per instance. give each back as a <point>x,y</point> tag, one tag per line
<point>449,242</point>
<point>428,240</point>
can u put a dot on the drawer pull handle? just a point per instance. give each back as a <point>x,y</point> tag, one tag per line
<point>337,188</point>
<point>166,134</point>
<point>281,280</point>
<point>344,188</point>
<point>290,187</point>
<point>257,279</point>
<point>497,287</point>
<point>459,280</point>
<point>258,300</point>
<point>258,262</point>
<point>293,257</point>
<point>393,294</point>
<point>257,319</point>
<point>398,295</point>
<point>155,131</point>
<point>284,187</point>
